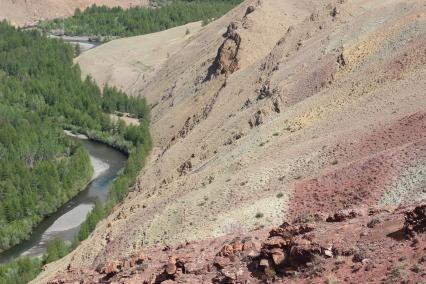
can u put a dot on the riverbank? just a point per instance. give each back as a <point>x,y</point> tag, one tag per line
<point>84,43</point>
<point>98,167</point>
<point>66,221</point>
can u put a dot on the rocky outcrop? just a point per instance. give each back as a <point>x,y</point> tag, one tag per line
<point>287,249</point>
<point>346,214</point>
<point>309,250</point>
<point>256,119</point>
<point>227,58</point>
<point>415,221</point>
<point>185,167</point>
<point>250,9</point>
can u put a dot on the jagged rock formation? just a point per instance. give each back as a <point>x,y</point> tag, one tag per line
<point>329,102</point>
<point>227,58</point>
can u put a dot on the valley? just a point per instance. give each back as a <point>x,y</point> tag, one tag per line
<point>280,142</point>
<point>43,170</point>
<point>65,222</point>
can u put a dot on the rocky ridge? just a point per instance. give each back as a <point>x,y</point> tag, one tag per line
<point>353,246</point>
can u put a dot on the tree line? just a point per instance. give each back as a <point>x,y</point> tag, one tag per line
<point>24,269</point>
<point>104,21</point>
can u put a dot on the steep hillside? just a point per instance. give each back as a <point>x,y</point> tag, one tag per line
<point>349,246</point>
<point>278,110</point>
<point>28,12</point>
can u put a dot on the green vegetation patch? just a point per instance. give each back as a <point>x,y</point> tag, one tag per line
<point>104,21</point>
<point>41,93</point>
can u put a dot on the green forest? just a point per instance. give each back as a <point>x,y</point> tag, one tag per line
<point>40,170</point>
<point>104,21</point>
<point>41,94</point>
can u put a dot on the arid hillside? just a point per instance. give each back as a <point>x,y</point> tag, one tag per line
<point>278,111</point>
<point>128,62</point>
<point>29,12</point>
<point>350,246</point>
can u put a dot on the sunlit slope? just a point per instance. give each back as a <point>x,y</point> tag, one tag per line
<point>296,107</point>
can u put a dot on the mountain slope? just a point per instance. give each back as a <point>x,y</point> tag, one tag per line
<point>277,110</point>
<point>28,12</point>
<point>126,62</point>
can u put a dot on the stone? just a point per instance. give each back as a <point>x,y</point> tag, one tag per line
<point>250,9</point>
<point>264,262</point>
<point>278,256</point>
<point>415,221</point>
<point>232,272</point>
<point>256,120</point>
<point>227,58</point>
<point>112,268</point>
<point>227,250</point>
<point>252,245</point>
<point>221,262</point>
<point>237,246</point>
<point>345,214</point>
<point>171,267</point>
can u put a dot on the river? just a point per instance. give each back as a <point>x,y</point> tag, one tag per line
<point>66,221</point>
<point>83,41</point>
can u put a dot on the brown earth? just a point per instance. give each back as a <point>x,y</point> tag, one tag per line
<point>276,111</point>
<point>29,12</point>
<point>359,246</point>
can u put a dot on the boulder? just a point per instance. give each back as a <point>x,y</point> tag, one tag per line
<point>250,9</point>
<point>171,267</point>
<point>112,268</point>
<point>278,256</point>
<point>415,221</point>
<point>345,214</point>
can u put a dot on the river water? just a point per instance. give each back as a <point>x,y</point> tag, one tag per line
<point>66,221</point>
<point>83,41</point>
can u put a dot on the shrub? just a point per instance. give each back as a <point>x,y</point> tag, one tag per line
<point>259,215</point>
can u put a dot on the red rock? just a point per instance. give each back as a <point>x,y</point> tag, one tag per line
<point>171,267</point>
<point>275,242</point>
<point>252,244</point>
<point>195,267</point>
<point>237,246</point>
<point>227,250</point>
<point>232,272</point>
<point>140,258</point>
<point>127,264</point>
<point>299,241</point>
<point>221,262</point>
<point>112,267</point>
<point>252,248</point>
<point>342,215</point>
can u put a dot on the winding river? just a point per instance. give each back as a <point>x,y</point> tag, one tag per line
<point>83,41</point>
<point>66,221</point>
